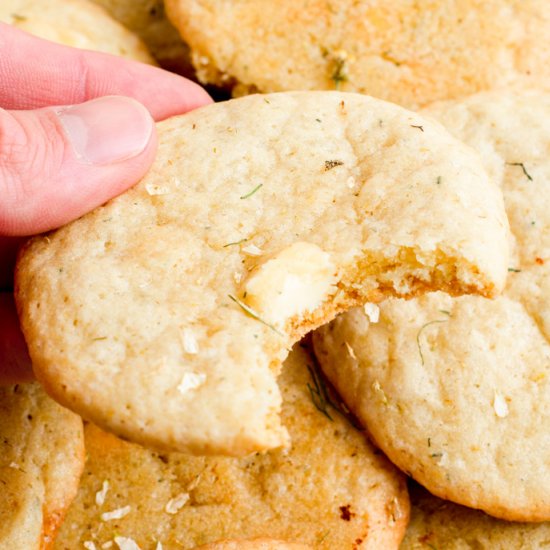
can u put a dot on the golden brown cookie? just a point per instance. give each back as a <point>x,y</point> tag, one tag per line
<point>41,458</point>
<point>147,19</point>
<point>437,523</point>
<point>330,489</point>
<point>164,316</point>
<point>411,53</point>
<point>76,23</point>
<point>454,390</point>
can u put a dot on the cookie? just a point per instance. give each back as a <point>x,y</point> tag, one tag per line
<point>454,390</point>
<point>411,53</point>
<point>76,23</point>
<point>165,315</point>
<point>147,19</point>
<point>257,544</point>
<point>330,489</point>
<point>41,458</point>
<point>437,523</point>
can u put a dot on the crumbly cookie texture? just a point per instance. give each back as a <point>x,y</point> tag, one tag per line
<point>411,53</point>
<point>436,523</point>
<point>330,489</point>
<point>164,316</point>
<point>41,458</point>
<point>76,23</point>
<point>454,390</point>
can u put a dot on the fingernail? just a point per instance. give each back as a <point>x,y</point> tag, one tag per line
<point>107,130</point>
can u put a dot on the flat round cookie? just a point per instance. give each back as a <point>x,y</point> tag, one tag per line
<point>148,20</point>
<point>437,523</point>
<point>41,458</point>
<point>411,53</point>
<point>330,489</point>
<point>76,23</point>
<point>165,315</point>
<point>455,390</point>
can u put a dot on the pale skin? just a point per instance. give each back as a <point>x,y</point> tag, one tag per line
<point>76,129</point>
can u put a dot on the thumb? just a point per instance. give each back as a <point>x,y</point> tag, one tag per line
<point>58,163</point>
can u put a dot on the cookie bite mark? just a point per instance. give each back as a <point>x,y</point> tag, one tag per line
<point>291,285</point>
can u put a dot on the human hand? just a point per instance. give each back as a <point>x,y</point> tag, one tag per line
<point>76,129</point>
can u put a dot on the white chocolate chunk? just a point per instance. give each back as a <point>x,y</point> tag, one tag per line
<point>295,281</point>
<point>372,311</point>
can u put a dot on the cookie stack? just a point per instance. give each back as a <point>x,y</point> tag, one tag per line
<point>415,242</point>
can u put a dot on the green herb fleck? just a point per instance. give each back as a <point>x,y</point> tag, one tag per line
<point>235,243</point>
<point>514,270</point>
<point>340,69</point>
<point>252,192</point>
<point>438,180</point>
<point>527,175</point>
<point>445,312</point>
<point>318,120</point>
<point>266,100</point>
<point>429,441</point>
<point>330,164</point>
<point>253,314</point>
<point>386,56</point>
<point>319,393</point>
<point>420,332</point>
<point>421,128</point>
<point>98,338</point>
<point>17,17</point>
<point>436,455</point>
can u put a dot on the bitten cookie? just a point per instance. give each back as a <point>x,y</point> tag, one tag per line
<point>41,458</point>
<point>165,315</point>
<point>76,23</point>
<point>411,53</point>
<point>330,489</point>
<point>455,390</point>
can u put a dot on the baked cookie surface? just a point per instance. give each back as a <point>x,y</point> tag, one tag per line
<point>147,19</point>
<point>41,458</point>
<point>455,390</point>
<point>330,489</point>
<point>164,316</point>
<point>437,523</point>
<point>411,53</point>
<point>75,23</point>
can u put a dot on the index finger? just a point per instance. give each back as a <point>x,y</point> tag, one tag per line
<point>36,73</point>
